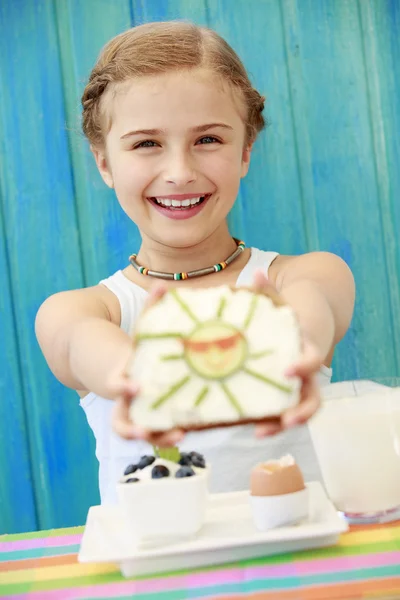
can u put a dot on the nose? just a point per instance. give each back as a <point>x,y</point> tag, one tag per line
<point>179,169</point>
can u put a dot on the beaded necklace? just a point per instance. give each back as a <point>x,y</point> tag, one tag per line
<point>240,246</point>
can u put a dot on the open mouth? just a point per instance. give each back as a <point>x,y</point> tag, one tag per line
<point>180,205</point>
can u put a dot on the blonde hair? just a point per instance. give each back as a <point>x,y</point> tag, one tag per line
<point>156,48</point>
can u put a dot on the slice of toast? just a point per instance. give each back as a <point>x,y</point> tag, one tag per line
<point>213,357</point>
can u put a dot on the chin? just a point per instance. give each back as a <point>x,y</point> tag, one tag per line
<point>181,241</point>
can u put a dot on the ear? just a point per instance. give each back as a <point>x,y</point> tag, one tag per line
<point>246,159</point>
<point>102,165</point>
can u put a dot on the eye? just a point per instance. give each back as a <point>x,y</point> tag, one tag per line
<point>145,144</point>
<point>208,139</point>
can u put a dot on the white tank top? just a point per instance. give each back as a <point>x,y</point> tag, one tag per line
<point>230,451</point>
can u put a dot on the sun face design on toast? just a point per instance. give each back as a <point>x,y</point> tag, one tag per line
<point>215,350</point>
<point>211,352</point>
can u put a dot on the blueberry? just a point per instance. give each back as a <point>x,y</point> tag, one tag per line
<point>197,460</point>
<point>145,461</point>
<point>159,471</point>
<point>132,480</point>
<point>185,460</point>
<point>130,469</point>
<point>185,472</point>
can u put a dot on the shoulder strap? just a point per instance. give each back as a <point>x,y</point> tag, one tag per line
<point>259,259</point>
<point>131,298</point>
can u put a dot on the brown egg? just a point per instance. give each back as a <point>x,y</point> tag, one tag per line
<point>275,477</point>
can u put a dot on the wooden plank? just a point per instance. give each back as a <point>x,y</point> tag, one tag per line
<point>380,22</point>
<point>17,499</point>
<point>144,11</point>
<point>268,213</point>
<point>336,152</point>
<point>107,236</point>
<point>43,250</point>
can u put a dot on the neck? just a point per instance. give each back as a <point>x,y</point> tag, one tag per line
<point>214,249</point>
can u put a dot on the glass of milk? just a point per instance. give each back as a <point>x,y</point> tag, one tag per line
<point>356,435</point>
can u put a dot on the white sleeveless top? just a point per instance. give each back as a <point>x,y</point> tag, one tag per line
<point>230,451</point>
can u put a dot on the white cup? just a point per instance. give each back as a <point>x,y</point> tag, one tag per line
<point>275,511</point>
<point>357,442</point>
<point>162,508</point>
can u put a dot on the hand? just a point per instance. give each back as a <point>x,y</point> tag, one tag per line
<point>306,368</point>
<point>123,390</point>
<point>124,427</point>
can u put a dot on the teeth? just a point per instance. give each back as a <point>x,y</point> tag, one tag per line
<point>178,203</point>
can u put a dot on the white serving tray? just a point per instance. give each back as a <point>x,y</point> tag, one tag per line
<point>228,535</point>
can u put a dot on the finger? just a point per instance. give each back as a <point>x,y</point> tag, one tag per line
<point>261,283</point>
<point>123,425</point>
<point>260,280</point>
<point>123,387</point>
<point>157,291</point>
<point>166,439</point>
<point>128,430</point>
<point>267,429</point>
<point>124,429</point>
<point>301,414</point>
<point>121,421</point>
<point>309,362</point>
<point>308,405</point>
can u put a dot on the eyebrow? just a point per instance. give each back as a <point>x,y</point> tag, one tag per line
<point>198,129</point>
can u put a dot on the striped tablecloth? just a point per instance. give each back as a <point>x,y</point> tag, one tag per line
<point>365,564</point>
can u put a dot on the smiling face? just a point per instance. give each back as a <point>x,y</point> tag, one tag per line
<point>175,154</point>
<point>216,350</point>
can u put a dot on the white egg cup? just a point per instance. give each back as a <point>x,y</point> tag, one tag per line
<point>275,511</point>
<point>168,507</point>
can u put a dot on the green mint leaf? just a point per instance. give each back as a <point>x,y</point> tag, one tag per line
<point>171,454</point>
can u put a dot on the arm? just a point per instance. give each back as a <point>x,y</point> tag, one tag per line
<point>78,335</point>
<point>85,348</point>
<point>320,287</point>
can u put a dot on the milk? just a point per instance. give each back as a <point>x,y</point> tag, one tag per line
<point>357,442</point>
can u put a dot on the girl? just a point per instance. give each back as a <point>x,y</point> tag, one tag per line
<point>171,117</point>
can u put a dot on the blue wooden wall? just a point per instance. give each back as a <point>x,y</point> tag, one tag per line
<point>325,175</point>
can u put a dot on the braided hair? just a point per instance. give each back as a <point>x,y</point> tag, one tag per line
<point>156,48</point>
